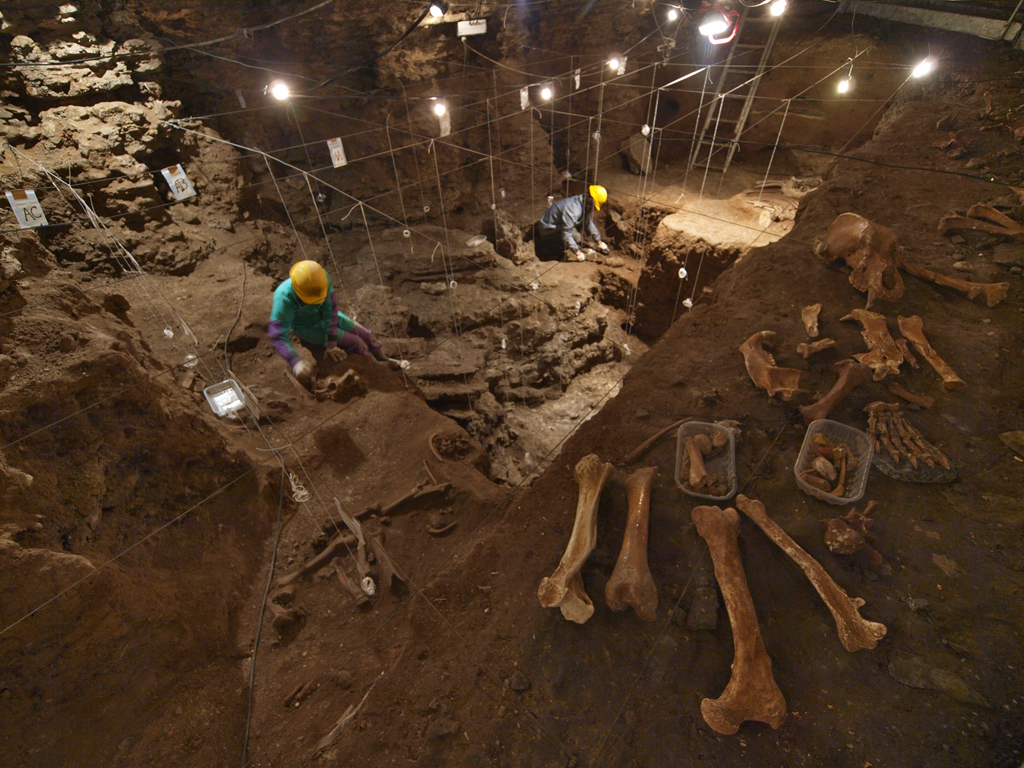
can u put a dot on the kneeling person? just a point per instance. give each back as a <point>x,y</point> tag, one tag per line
<point>555,235</point>
<point>305,305</point>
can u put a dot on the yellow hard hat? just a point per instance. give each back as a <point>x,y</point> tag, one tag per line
<point>309,281</point>
<point>600,195</point>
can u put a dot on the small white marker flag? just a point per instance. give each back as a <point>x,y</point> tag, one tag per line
<point>181,187</point>
<point>337,150</point>
<point>27,208</point>
<point>524,98</point>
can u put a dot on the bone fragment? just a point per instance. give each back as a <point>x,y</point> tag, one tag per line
<point>869,249</point>
<point>887,426</point>
<point>342,544</point>
<point>564,588</point>
<point>922,400</point>
<point>762,369</point>
<point>855,632</point>
<point>300,693</point>
<point>884,357</point>
<point>815,480</point>
<point>695,457</point>
<point>840,489</point>
<point>913,328</point>
<point>354,591</point>
<point>805,350</point>
<point>850,375</point>
<point>631,583</point>
<point>824,467</point>
<point>904,347</point>
<point>993,293</point>
<point>847,535</point>
<point>982,218</point>
<point>641,449</point>
<point>809,316</point>
<point>752,693</point>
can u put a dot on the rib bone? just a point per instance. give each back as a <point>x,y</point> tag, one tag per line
<point>631,583</point>
<point>762,369</point>
<point>752,693</point>
<point>850,374</point>
<point>913,328</point>
<point>993,292</point>
<point>564,588</point>
<point>855,632</point>
<point>809,316</point>
<point>884,356</point>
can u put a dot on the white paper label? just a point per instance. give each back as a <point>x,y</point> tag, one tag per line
<point>622,66</point>
<point>524,98</point>
<point>27,208</point>
<point>337,150</point>
<point>446,124</point>
<point>180,186</point>
<point>472,27</point>
<point>576,79</point>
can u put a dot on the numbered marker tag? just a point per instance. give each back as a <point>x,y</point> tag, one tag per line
<point>576,79</point>
<point>446,124</point>
<point>27,208</point>
<point>178,182</point>
<point>622,66</point>
<point>337,150</point>
<point>524,98</point>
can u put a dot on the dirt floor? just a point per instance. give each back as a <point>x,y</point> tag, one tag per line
<point>455,663</point>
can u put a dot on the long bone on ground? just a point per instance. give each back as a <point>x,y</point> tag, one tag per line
<point>851,374</point>
<point>855,632</point>
<point>631,583</point>
<point>762,369</point>
<point>752,693</point>
<point>913,328</point>
<point>564,588</point>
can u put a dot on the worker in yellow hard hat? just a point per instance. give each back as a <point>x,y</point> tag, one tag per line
<point>305,305</point>
<point>557,234</point>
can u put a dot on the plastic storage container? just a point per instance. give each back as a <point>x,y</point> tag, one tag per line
<point>858,442</point>
<point>723,465</point>
<point>225,398</point>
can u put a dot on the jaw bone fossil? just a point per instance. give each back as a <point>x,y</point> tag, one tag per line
<point>631,583</point>
<point>762,369</point>
<point>564,588</point>
<point>752,693</point>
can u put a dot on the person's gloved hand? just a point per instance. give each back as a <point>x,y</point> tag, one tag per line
<point>335,354</point>
<point>303,371</point>
<point>602,246</point>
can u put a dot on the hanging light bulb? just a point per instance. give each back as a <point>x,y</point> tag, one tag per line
<point>925,67</point>
<point>440,108</point>
<point>438,9</point>
<point>545,92</point>
<point>673,14</point>
<point>714,23</point>
<point>613,63</point>
<point>280,90</point>
<point>844,85</point>
<point>777,8</point>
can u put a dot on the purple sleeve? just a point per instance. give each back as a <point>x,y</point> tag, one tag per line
<point>332,335</point>
<point>280,343</point>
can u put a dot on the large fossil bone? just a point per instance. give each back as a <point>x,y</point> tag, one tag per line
<point>891,431</point>
<point>851,374</point>
<point>883,355</point>
<point>762,369</point>
<point>809,316</point>
<point>982,218</point>
<point>805,350</point>
<point>563,589</point>
<point>631,583</point>
<point>752,693</point>
<point>993,293</point>
<point>913,329</point>
<point>855,632</point>
<point>848,535</point>
<point>869,249</point>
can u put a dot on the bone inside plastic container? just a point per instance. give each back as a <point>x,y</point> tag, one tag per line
<point>723,465</point>
<point>836,433</point>
<point>225,398</point>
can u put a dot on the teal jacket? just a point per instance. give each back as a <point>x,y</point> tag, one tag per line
<point>316,323</point>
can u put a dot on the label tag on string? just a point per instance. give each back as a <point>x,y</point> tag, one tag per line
<point>27,208</point>
<point>446,124</point>
<point>181,187</point>
<point>524,98</point>
<point>576,79</point>
<point>337,150</point>
<point>622,66</point>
